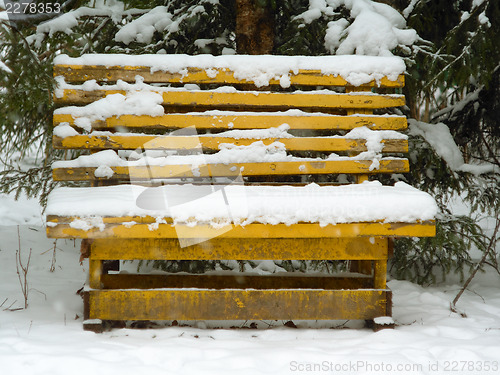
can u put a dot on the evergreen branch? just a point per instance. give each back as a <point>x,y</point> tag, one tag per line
<point>445,69</point>
<point>25,42</point>
<point>491,153</point>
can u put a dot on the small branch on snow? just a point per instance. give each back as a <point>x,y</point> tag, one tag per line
<point>9,308</point>
<point>478,267</point>
<point>21,268</point>
<point>53,249</point>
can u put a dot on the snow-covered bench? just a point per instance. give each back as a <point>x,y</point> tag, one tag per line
<point>233,157</point>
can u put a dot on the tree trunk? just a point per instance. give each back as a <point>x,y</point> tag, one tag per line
<point>254,28</point>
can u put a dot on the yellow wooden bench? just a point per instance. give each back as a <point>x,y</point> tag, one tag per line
<point>288,148</point>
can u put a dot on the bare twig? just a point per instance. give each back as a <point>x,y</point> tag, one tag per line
<point>39,291</point>
<point>21,268</point>
<point>53,262</point>
<point>478,267</point>
<point>9,308</point>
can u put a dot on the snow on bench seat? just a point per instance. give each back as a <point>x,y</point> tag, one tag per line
<point>195,204</point>
<point>261,70</point>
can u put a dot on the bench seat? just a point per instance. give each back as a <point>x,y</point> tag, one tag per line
<point>96,212</point>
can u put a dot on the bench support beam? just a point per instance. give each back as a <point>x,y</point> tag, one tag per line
<point>230,304</point>
<point>242,248</point>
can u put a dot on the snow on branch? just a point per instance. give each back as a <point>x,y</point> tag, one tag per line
<point>66,22</point>
<point>439,137</point>
<point>376,30</point>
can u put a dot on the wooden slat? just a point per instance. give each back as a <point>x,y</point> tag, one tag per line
<point>206,232</point>
<point>80,73</point>
<point>233,304</point>
<point>155,142</point>
<point>242,281</point>
<point>237,121</point>
<point>263,100</point>
<point>239,248</point>
<point>233,169</point>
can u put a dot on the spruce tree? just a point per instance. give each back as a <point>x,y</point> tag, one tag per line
<point>453,80</point>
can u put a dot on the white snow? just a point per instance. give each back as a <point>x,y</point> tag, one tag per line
<point>375,136</point>
<point>476,3</point>
<point>156,19</point>
<point>365,202</point>
<point>383,320</point>
<point>134,91</point>
<point>256,152</point>
<point>87,223</point>
<point>23,211</point>
<point>377,28</point>
<point>65,130</point>
<point>407,11</point>
<point>48,338</point>
<point>113,9</point>
<point>334,33</point>
<point>483,19</point>
<point>104,171</point>
<point>4,67</point>
<point>137,103</point>
<point>143,28</point>
<point>275,132</point>
<point>374,143</point>
<point>357,70</point>
<point>439,137</point>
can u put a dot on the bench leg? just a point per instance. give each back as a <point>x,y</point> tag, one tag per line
<point>383,322</point>
<point>93,325</point>
<point>380,274</point>
<point>95,273</point>
<point>380,282</point>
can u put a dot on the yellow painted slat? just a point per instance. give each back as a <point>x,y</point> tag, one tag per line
<point>235,281</point>
<point>238,248</point>
<point>206,304</point>
<point>79,73</point>
<point>155,142</point>
<point>201,231</point>
<point>264,100</point>
<point>233,169</point>
<point>241,121</point>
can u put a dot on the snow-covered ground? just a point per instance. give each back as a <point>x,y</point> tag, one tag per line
<point>47,338</point>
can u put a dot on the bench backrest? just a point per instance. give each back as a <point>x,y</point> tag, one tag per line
<point>196,117</point>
